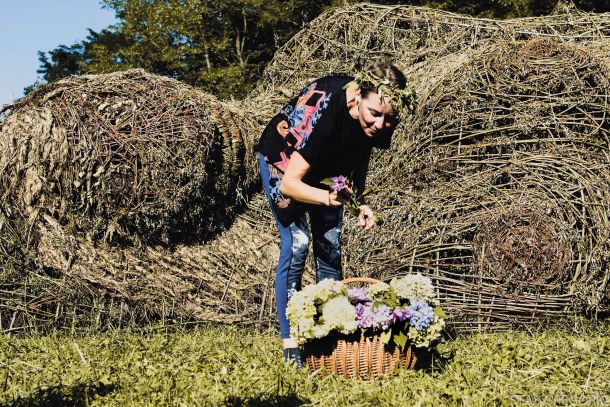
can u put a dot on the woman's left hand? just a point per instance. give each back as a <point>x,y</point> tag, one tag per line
<point>366,218</point>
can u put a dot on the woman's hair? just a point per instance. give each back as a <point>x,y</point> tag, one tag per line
<point>386,80</point>
<point>384,70</point>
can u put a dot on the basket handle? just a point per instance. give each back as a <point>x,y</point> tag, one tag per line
<point>361,280</point>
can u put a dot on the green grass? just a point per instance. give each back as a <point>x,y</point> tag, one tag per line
<point>237,366</point>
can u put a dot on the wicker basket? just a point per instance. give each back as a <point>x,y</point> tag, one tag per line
<point>356,356</point>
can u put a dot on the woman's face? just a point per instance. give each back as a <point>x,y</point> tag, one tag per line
<point>376,115</point>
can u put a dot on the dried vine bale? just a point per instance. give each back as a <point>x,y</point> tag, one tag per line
<point>512,144</point>
<point>95,162</point>
<point>522,248</point>
<point>84,285</point>
<point>126,154</point>
<point>347,39</point>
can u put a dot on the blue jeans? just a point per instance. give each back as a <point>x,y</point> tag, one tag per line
<point>294,245</point>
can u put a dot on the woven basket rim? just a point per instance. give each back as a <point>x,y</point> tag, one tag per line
<point>361,280</point>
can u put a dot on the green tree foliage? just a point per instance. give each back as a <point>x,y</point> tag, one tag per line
<point>220,45</point>
<point>61,61</point>
<point>100,52</point>
<point>223,45</point>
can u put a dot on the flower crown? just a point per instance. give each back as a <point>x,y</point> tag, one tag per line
<point>401,99</point>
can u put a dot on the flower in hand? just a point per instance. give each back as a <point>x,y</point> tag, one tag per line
<point>340,191</point>
<point>339,183</point>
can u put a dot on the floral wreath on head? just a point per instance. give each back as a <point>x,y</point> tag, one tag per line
<point>401,99</point>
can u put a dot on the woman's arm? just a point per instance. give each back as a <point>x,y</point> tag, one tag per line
<point>293,187</point>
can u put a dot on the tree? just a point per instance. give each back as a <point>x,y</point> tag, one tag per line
<point>99,53</point>
<point>61,61</point>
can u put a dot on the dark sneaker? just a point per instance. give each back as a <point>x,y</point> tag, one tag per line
<point>293,355</point>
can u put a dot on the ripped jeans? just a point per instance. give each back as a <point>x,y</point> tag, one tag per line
<point>294,245</point>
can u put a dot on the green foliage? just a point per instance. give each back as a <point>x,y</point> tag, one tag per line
<point>385,337</point>
<point>104,51</point>
<point>440,313</point>
<point>237,366</point>
<point>99,53</point>
<point>61,61</point>
<point>400,339</point>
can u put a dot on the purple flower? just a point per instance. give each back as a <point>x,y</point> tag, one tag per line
<point>339,183</point>
<point>380,318</point>
<point>383,317</point>
<point>420,314</point>
<point>364,315</point>
<point>401,315</point>
<point>357,293</point>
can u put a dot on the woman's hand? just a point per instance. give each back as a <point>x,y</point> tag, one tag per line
<point>333,199</point>
<point>338,198</point>
<point>366,218</point>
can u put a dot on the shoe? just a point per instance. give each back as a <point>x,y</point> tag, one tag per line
<point>293,355</point>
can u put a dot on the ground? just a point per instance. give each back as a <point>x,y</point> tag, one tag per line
<point>241,366</point>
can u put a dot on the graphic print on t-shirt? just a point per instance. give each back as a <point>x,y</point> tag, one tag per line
<point>300,121</point>
<point>295,129</point>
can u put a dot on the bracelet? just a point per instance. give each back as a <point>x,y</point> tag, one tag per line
<point>328,198</point>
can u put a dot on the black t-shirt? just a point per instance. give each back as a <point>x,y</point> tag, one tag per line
<point>317,124</point>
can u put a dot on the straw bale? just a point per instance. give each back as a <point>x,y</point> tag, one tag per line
<point>127,156</point>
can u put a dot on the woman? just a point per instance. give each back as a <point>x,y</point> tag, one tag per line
<point>328,130</point>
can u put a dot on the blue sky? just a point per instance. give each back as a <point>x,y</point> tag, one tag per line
<point>28,26</point>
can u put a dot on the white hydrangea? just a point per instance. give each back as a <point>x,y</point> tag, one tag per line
<point>379,291</point>
<point>300,311</point>
<point>414,287</point>
<point>320,330</point>
<point>328,288</point>
<point>304,305</point>
<point>338,313</point>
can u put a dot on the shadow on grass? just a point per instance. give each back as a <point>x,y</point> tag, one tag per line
<point>79,395</point>
<point>434,361</point>
<point>266,400</point>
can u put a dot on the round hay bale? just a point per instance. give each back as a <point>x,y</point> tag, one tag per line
<point>514,130</point>
<point>127,156</point>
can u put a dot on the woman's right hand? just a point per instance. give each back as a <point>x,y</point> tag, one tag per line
<point>333,199</point>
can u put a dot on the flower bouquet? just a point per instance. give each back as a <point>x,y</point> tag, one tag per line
<point>365,331</point>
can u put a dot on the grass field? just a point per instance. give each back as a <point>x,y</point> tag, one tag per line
<point>241,367</point>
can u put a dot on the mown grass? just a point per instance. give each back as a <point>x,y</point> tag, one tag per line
<point>242,367</point>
